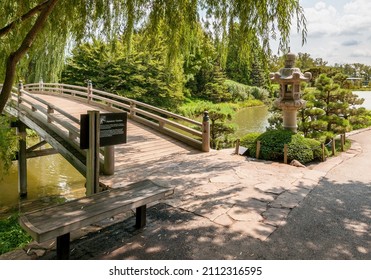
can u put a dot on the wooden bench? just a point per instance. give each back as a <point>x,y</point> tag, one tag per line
<point>59,220</point>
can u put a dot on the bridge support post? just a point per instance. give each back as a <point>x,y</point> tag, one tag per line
<point>92,156</point>
<point>22,160</point>
<point>206,132</point>
<point>109,160</point>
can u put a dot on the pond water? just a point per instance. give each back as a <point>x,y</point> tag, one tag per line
<point>366,95</point>
<point>52,178</point>
<point>254,119</point>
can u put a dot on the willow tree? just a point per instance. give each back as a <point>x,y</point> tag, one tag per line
<point>36,33</point>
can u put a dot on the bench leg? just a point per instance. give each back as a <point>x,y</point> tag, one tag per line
<point>63,247</point>
<point>141,216</point>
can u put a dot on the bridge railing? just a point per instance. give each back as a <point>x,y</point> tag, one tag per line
<point>194,133</point>
<point>28,106</point>
<point>25,102</point>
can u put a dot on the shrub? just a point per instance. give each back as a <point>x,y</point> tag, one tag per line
<point>248,141</point>
<point>242,92</point>
<point>12,236</point>
<point>300,149</point>
<point>315,146</point>
<point>272,144</point>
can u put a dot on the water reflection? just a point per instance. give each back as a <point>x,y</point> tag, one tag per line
<point>254,119</point>
<point>50,178</point>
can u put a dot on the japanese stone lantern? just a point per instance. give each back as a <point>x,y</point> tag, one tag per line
<point>289,99</point>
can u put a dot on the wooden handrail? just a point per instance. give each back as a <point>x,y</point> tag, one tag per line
<point>160,119</point>
<point>51,106</point>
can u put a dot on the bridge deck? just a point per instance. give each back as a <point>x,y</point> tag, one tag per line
<point>145,146</point>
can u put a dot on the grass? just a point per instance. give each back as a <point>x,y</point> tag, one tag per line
<point>12,236</point>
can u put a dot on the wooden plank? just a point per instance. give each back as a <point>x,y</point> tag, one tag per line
<point>58,220</point>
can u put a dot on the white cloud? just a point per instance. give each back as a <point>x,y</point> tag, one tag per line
<point>351,43</point>
<point>321,19</point>
<point>338,31</point>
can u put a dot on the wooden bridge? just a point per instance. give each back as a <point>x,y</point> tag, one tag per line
<point>53,110</point>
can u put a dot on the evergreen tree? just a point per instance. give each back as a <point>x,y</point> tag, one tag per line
<point>141,74</point>
<point>216,89</point>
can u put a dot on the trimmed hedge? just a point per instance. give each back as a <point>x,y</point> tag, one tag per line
<point>249,139</point>
<point>272,144</point>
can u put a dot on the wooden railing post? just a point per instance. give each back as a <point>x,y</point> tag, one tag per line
<point>285,152</point>
<point>257,149</point>
<point>342,141</point>
<point>237,150</point>
<point>90,90</point>
<point>49,111</point>
<point>20,88</point>
<point>132,109</point>
<point>206,132</point>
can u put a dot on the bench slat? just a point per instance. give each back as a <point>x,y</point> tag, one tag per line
<point>57,220</point>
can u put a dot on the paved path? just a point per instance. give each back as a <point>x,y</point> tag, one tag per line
<point>334,221</point>
<point>228,207</point>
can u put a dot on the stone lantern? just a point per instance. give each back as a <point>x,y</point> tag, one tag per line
<point>289,99</point>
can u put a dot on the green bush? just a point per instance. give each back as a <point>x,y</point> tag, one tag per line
<point>316,148</point>
<point>300,149</point>
<point>248,141</point>
<point>272,144</point>
<point>242,92</point>
<point>12,236</point>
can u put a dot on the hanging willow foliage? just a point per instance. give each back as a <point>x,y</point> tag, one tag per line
<point>38,46</point>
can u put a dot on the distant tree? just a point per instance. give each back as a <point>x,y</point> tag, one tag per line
<point>216,89</point>
<point>141,74</point>
<point>340,79</point>
<point>304,61</point>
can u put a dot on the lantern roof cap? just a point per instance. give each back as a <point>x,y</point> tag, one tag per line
<point>289,73</point>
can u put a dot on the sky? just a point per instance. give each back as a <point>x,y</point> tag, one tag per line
<point>339,31</point>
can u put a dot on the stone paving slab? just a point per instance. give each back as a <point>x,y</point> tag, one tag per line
<point>290,199</point>
<point>253,229</point>
<point>276,216</point>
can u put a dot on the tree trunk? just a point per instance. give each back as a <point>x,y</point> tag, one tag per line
<point>5,30</point>
<point>16,56</point>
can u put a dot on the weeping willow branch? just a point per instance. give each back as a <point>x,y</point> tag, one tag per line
<point>5,30</point>
<point>26,44</point>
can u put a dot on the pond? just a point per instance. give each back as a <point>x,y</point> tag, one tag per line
<point>254,119</point>
<point>366,95</point>
<point>50,178</point>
